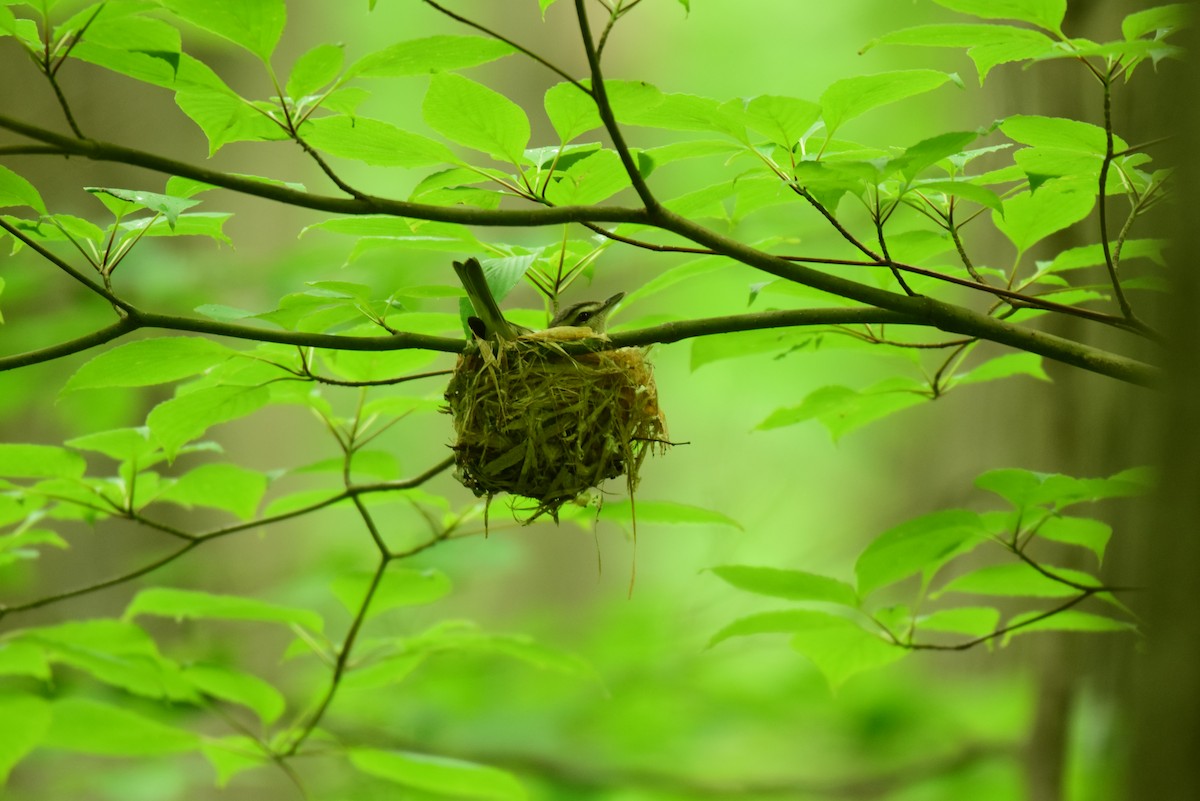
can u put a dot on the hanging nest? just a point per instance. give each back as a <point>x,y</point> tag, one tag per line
<point>532,420</point>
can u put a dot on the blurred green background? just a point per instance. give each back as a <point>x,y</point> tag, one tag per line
<point>664,718</point>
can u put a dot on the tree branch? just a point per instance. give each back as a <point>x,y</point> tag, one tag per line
<point>369,204</point>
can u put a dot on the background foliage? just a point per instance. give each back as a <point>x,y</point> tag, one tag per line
<point>344,630</point>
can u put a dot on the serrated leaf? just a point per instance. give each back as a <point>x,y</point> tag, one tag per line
<point>181,419</point>
<point>436,774</point>
<point>230,756</point>
<point>90,727</point>
<point>1093,255</point>
<point>26,720</point>
<point>850,97</point>
<point>1085,532</point>
<point>971,621</point>
<point>195,605</point>
<point>253,24</point>
<point>588,181</point>
<point>1030,217</point>
<point>1024,488</point>
<point>19,658</point>
<point>219,486</point>
<point>473,115</point>
<point>237,687</point>
<point>1004,366</point>
<point>1045,13</point>
<point>1066,620</point>
<point>210,224</point>
<point>1157,20</point>
<point>918,546</point>
<point>1058,132</point>
<point>987,45</point>
<point>965,190</point>
<point>398,587</point>
<point>432,54</point>
<point>841,648</point>
<point>794,585</point>
<point>167,205</point>
<point>39,461</point>
<point>314,70</point>
<point>842,410</point>
<point>1020,579</point>
<point>146,362</point>
<point>783,120</point>
<point>16,191</point>
<point>928,152</point>
<point>373,142</point>
<point>571,111</point>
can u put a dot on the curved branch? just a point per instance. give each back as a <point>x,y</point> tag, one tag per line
<point>103,151</point>
<point>686,329</point>
<point>939,314</point>
<point>521,48</point>
<point>72,346</point>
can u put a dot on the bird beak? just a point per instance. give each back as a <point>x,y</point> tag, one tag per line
<point>613,301</point>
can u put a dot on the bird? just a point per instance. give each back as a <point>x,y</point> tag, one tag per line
<point>488,323</point>
<point>577,321</point>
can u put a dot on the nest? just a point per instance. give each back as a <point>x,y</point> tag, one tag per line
<point>532,420</point>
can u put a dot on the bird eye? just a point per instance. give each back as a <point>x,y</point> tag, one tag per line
<point>584,316</point>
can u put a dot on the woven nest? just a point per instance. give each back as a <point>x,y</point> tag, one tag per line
<point>532,420</point>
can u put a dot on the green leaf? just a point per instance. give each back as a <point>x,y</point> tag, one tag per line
<point>22,659</point>
<point>1030,217</point>
<point>398,587</point>
<point>972,621</point>
<point>1005,366</point>
<point>1047,14</point>
<point>590,180</point>
<point>183,418</point>
<point>90,727</point>
<point>219,486</point>
<point>149,361</point>
<point>475,116</point>
<point>842,410</point>
<point>1091,534</point>
<point>930,151</point>
<point>39,461</point>
<point>210,224</point>
<point>1157,21</point>
<point>225,117</point>
<point>1093,255</point>
<point>167,205</point>
<point>237,687</point>
<point>1058,132</point>
<point>314,70</point>
<point>230,756</point>
<point>26,720</point>
<point>1024,488</point>
<point>918,546</point>
<point>850,97</point>
<point>374,142</point>
<point>1066,620</point>
<point>436,774</point>
<point>794,585</point>
<point>16,191</point>
<point>783,120</point>
<point>194,605</point>
<point>964,190</point>
<point>253,24</point>
<point>837,646</point>
<point>122,444</point>
<point>987,45</point>
<point>571,111</point>
<point>433,54</point>
<point>841,648</point>
<point>1020,579</point>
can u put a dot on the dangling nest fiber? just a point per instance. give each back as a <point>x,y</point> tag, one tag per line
<point>532,420</point>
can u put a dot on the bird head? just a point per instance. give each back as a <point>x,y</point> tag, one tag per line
<point>591,314</point>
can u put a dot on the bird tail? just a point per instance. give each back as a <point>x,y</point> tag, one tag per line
<point>470,273</point>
